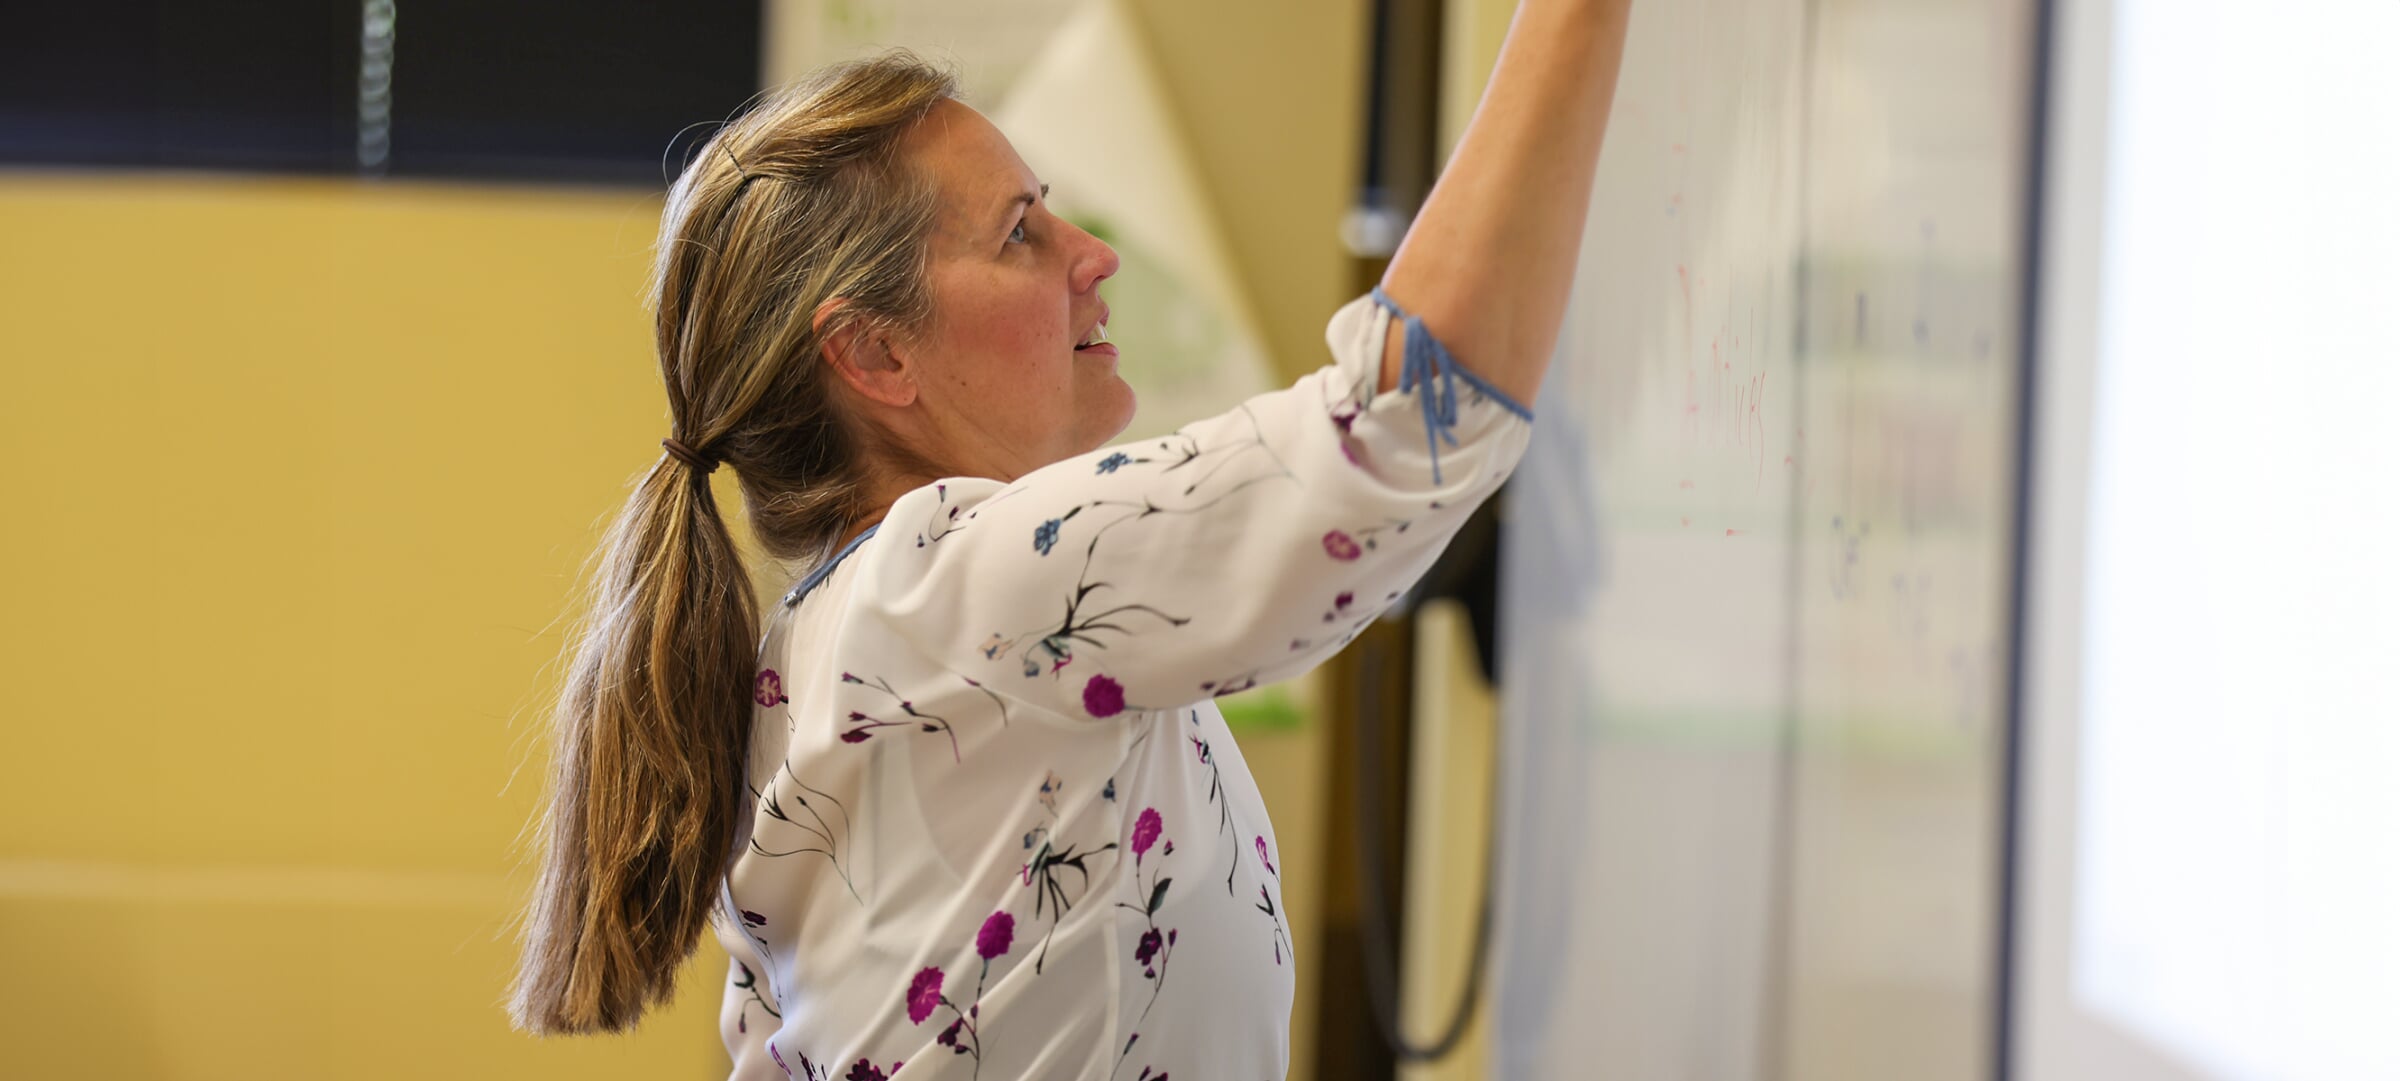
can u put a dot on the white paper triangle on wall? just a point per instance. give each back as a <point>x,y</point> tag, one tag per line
<point>1090,115</point>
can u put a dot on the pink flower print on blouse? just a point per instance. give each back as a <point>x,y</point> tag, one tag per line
<point>1261,842</point>
<point>924,993</point>
<point>1347,545</point>
<point>924,722</point>
<point>1156,946</point>
<point>866,1071</point>
<point>1103,697</point>
<point>998,930</point>
<point>1145,833</point>
<point>1151,946</point>
<point>768,690</point>
<point>1349,444</point>
<point>809,1071</point>
<point>992,940</point>
<point>866,727</point>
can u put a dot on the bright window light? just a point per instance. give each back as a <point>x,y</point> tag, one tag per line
<point>2238,865</point>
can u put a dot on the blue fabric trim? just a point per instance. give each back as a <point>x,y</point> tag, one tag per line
<point>818,575</point>
<point>1423,359</point>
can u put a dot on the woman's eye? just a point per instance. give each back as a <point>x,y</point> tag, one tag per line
<point>1017,235</point>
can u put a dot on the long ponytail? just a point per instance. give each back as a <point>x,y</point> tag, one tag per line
<point>654,720</point>
<point>801,200</point>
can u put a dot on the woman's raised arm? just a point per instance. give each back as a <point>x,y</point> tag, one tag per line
<point>1489,261</point>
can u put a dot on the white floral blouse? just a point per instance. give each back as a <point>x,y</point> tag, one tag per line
<point>997,824</point>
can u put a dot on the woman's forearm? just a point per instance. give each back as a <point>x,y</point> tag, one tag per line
<point>1489,260</point>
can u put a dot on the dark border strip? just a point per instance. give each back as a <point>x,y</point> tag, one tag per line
<point>2039,129</point>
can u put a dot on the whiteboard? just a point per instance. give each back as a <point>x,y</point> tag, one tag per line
<point>1756,577</point>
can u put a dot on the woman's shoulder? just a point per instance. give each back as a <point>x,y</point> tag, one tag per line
<point>930,513</point>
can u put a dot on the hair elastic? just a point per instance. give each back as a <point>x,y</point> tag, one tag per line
<point>688,456</point>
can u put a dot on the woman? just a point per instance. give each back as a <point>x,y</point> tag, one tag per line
<point>968,808</point>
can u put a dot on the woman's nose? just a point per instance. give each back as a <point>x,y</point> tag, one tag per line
<point>1098,263</point>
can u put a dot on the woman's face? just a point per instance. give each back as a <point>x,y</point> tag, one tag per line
<point>1003,390</point>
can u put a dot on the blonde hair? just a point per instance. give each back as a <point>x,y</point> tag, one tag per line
<point>802,200</point>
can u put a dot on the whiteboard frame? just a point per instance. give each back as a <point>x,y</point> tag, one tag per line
<point>2036,925</point>
<point>2041,1036</point>
<point>2060,332</point>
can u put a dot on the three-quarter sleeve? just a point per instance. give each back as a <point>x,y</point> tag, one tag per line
<point>1242,549</point>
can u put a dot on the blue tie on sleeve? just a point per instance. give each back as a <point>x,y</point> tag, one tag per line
<point>1422,360</point>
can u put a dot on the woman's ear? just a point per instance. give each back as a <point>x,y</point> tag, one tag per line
<point>863,357</point>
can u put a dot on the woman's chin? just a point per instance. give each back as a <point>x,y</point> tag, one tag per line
<point>1120,412</point>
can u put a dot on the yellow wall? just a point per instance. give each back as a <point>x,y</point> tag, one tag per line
<point>299,474</point>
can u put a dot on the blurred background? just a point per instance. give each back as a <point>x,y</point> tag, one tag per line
<point>1943,629</point>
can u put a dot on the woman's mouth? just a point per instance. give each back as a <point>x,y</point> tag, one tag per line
<point>1095,344</point>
